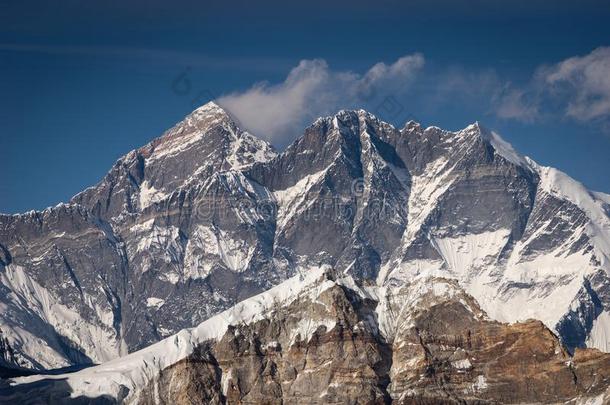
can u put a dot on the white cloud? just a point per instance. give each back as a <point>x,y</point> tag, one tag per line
<point>586,81</point>
<point>577,88</point>
<point>514,103</point>
<point>311,89</point>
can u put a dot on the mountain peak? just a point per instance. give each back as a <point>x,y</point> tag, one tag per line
<point>347,114</point>
<point>501,146</point>
<point>477,127</point>
<point>476,130</point>
<point>210,106</point>
<point>211,110</point>
<point>412,126</point>
<point>207,140</point>
<point>209,118</point>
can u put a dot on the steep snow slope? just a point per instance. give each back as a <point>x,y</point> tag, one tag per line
<point>135,370</point>
<point>540,270</point>
<point>30,306</point>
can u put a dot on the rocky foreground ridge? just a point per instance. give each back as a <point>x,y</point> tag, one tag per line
<point>320,338</point>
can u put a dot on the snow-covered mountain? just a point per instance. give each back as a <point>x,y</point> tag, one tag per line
<point>207,215</point>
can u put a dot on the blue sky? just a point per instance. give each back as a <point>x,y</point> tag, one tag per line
<point>82,84</point>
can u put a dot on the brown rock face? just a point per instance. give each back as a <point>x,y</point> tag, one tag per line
<point>458,360</point>
<point>436,349</point>
<point>271,362</point>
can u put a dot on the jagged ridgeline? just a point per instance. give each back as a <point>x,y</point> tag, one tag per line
<point>208,215</point>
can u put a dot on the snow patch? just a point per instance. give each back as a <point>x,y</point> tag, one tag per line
<point>210,244</point>
<point>154,302</point>
<point>42,304</point>
<point>293,199</point>
<point>306,328</point>
<point>150,195</point>
<point>462,364</point>
<point>480,384</point>
<point>599,337</point>
<point>472,251</point>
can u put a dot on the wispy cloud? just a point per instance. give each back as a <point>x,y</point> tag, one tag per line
<point>576,88</point>
<point>585,80</point>
<point>516,104</point>
<point>312,89</point>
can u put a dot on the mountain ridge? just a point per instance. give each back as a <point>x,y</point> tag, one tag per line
<point>195,226</point>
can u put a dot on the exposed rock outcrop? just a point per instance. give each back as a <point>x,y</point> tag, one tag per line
<point>443,350</point>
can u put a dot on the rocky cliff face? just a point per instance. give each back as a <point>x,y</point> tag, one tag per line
<point>446,353</point>
<point>323,338</point>
<point>208,215</point>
